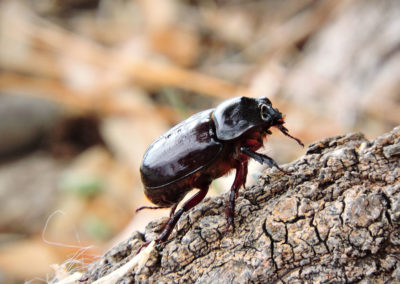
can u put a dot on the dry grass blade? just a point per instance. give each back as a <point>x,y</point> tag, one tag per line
<point>55,40</point>
<point>55,91</point>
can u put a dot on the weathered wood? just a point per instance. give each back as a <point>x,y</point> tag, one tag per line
<point>335,219</point>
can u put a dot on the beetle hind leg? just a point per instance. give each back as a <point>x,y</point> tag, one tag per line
<point>174,217</point>
<point>150,207</point>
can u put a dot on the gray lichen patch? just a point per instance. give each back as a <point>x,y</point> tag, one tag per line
<point>336,218</point>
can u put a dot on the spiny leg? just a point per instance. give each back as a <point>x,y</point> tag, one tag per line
<point>151,207</point>
<point>262,159</point>
<point>193,201</point>
<point>240,177</point>
<point>245,168</point>
<point>174,217</point>
<point>171,213</point>
<point>173,207</point>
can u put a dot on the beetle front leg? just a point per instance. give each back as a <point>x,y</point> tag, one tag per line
<point>262,159</point>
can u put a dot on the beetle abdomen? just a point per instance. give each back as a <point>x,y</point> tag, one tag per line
<point>182,151</point>
<point>168,195</point>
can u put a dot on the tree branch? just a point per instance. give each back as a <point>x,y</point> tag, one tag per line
<point>336,218</point>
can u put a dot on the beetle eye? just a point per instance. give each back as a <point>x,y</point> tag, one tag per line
<point>267,101</point>
<point>265,112</point>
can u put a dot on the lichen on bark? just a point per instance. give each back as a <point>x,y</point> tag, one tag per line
<point>334,219</point>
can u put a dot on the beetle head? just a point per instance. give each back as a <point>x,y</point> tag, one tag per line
<point>234,117</point>
<point>274,117</point>
<point>270,115</point>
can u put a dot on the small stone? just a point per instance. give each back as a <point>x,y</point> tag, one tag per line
<point>391,150</point>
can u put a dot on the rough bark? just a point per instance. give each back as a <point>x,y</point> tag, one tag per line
<point>335,219</point>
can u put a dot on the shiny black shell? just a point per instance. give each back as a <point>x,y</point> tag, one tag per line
<point>196,142</point>
<point>185,149</point>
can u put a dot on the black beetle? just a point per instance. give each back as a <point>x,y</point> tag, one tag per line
<point>204,147</point>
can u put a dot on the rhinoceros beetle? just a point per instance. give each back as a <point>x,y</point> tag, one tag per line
<point>204,147</point>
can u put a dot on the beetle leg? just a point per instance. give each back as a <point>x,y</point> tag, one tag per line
<point>150,207</point>
<point>241,169</point>
<point>262,159</point>
<point>143,246</point>
<point>171,213</point>
<point>193,201</point>
<point>173,207</point>
<point>173,219</point>
<point>245,167</point>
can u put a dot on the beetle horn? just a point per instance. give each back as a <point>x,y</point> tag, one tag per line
<point>285,131</point>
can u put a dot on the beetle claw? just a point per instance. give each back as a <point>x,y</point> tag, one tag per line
<point>227,231</point>
<point>230,215</point>
<point>283,171</point>
<point>143,246</point>
<point>230,226</point>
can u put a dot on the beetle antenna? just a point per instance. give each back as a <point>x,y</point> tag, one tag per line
<point>285,131</point>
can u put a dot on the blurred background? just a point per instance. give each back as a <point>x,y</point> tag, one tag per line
<point>87,85</point>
